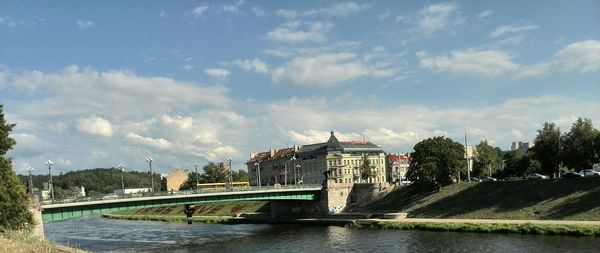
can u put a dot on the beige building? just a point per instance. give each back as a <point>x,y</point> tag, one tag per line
<point>309,164</point>
<point>397,166</point>
<point>176,178</point>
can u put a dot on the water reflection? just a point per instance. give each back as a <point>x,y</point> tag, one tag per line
<point>104,235</point>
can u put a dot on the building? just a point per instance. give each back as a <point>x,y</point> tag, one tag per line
<point>310,163</point>
<point>176,179</point>
<point>134,191</point>
<point>276,167</point>
<point>397,166</point>
<point>520,146</point>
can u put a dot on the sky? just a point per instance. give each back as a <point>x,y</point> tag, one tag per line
<point>100,83</point>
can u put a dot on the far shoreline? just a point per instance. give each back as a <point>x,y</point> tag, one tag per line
<point>533,227</point>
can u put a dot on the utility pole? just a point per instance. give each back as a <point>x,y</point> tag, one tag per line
<point>30,180</point>
<point>467,157</point>
<point>196,174</point>
<point>50,184</point>
<point>149,160</point>
<point>122,167</point>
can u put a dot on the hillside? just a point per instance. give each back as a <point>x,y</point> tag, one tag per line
<point>568,198</point>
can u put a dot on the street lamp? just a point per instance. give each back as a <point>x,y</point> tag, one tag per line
<point>149,160</point>
<point>30,180</point>
<point>122,167</point>
<point>196,171</point>
<point>257,164</point>
<point>296,169</point>
<point>229,159</point>
<point>50,184</point>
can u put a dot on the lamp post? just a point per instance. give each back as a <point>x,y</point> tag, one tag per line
<point>229,159</point>
<point>196,175</point>
<point>149,160</point>
<point>30,180</point>
<point>50,184</point>
<point>122,168</point>
<point>257,164</point>
<point>296,169</point>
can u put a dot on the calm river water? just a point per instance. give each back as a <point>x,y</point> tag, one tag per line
<point>105,235</point>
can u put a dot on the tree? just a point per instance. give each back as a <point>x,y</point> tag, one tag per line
<point>435,160</point>
<point>546,148</point>
<point>213,173</point>
<point>366,170</point>
<point>14,213</point>
<point>578,149</point>
<point>487,159</point>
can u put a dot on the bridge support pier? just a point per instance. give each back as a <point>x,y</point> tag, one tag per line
<point>36,211</point>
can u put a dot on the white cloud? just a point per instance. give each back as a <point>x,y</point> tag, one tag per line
<point>254,65</point>
<point>578,57</point>
<point>300,32</point>
<point>490,63</point>
<point>95,125</point>
<point>199,10</point>
<point>188,67</point>
<point>336,10</point>
<point>85,24</point>
<point>3,77</point>
<point>234,8</point>
<point>437,17</point>
<point>325,70</point>
<point>485,14</point>
<point>28,145</point>
<point>501,30</point>
<point>162,14</point>
<point>217,73</point>
<point>155,143</point>
<point>259,12</point>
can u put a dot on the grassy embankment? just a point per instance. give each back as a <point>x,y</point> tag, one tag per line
<point>563,199</point>
<point>24,242</point>
<point>214,212</point>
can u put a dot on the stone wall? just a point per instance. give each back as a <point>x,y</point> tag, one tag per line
<point>336,196</point>
<point>34,208</point>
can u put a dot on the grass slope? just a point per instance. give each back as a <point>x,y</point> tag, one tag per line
<point>14,241</point>
<point>204,209</point>
<point>568,199</point>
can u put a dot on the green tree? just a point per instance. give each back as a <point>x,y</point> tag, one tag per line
<point>213,173</point>
<point>578,148</point>
<point>487,159</point>
<point>366,169</point>
<point>546,148</point>
<point>14,213</point>
<point>435,160</point>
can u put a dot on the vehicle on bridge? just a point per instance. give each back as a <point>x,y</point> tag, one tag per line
<point>223,186</point>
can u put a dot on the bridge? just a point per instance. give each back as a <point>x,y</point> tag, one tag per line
<point>58,212</point>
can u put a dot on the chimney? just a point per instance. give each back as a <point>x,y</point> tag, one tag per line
<point>252,155</point>
<point>296,148</point>
<point>273,152</point>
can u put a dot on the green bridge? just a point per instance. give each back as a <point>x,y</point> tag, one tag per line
<point>58,212</point>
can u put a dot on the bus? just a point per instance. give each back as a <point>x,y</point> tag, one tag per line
<point>223,186</point>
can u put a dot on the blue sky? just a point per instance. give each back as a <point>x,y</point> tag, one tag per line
<point>95,84</point>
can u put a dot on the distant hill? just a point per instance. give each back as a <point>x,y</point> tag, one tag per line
<point>567,198</point>
<point>95,181</point>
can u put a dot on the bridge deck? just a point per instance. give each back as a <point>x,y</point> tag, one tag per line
<point>57,212</point>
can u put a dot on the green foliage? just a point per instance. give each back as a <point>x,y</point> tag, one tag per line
<point>14,213</point>
<point>96,181</point>
<point>546,148</point>
<point>578,149</point>
<point>435,160</point>
<point>487,160</point>
<point>366,170</point>
<point>213,174</point>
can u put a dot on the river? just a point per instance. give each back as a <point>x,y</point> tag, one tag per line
<point>106,235</point>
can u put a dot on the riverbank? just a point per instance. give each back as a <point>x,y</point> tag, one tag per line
<point>552,199</point>
<point>538,227</point>
<point>23,242</point>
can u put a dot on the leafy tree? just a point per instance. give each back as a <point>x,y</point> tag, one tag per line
<point>213,173</point>
<point>366,170</point>
<point>435,160</point>
<point>14,213</point>
<point>546,148</point>
<point>578,151</point>
<point>240,176</point>
<point>487,159</point>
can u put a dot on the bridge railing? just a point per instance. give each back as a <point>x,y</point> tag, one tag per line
<point>184,192</point>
